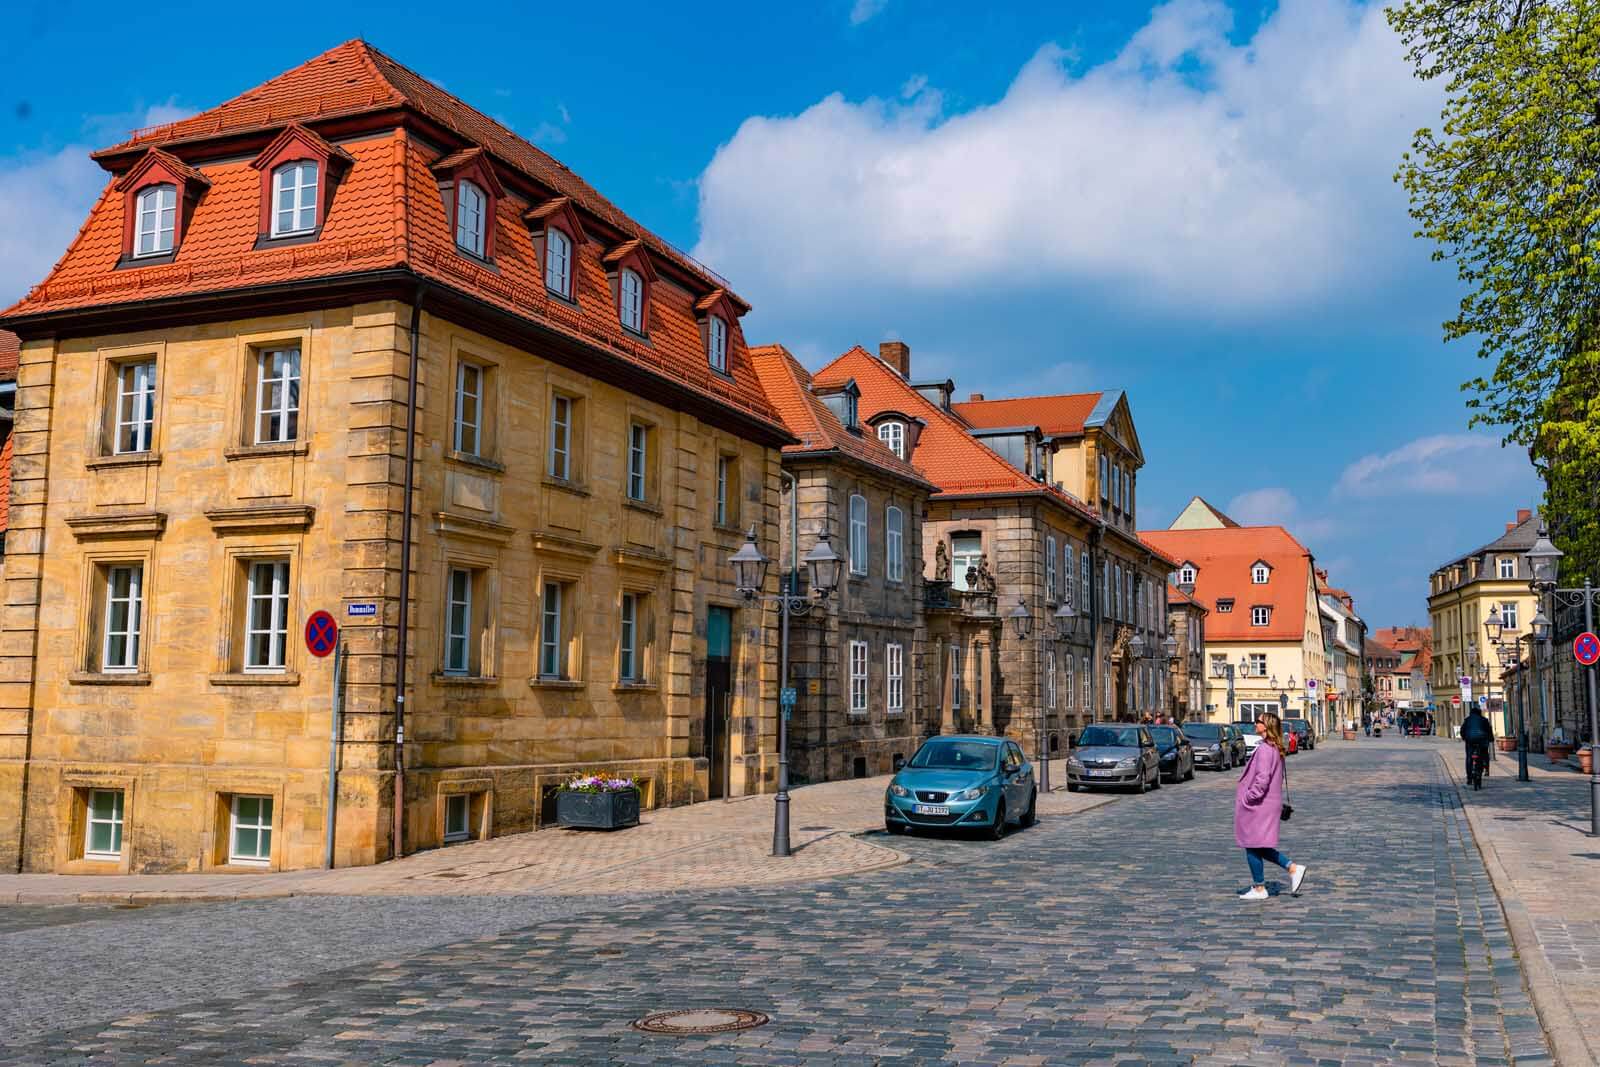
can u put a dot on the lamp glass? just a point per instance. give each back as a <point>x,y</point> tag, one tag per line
<point>825,565</point>
<point>1021,619</point>
<point>749,566</point>
<point>1543,560</point>
<point>1492,626</point>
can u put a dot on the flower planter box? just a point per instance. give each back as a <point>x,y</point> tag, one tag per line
<point>1349,735</point>
<point>1506,744</point>
<point>1586,759</point>
<point>1557,752</point>
<point>597,811</point>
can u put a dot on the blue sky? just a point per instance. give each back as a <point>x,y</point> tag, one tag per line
<point>1190,201</point>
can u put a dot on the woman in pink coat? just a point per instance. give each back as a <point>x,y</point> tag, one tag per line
<point>1257,810</point>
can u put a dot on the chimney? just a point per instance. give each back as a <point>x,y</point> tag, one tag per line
<point>975,398</point>
<point>1510,526</point>
<point>898,355</point>
<point>1523,515</point>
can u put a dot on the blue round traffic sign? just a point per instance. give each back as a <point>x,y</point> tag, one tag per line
<point>1586,649</point>
<point>322,633</point>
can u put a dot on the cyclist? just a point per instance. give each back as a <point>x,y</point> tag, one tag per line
<point>1478,735</point>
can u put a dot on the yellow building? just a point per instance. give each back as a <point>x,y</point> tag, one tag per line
<point>1461,595</point>
<point>216,385</point>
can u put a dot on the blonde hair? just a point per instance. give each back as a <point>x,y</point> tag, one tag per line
<point>1271,731</point>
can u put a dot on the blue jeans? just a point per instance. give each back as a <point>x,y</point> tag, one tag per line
<point>1256,857</point>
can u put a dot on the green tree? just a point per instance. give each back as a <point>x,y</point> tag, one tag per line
<point>1509,189</point>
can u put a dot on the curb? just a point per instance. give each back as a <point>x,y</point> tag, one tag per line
<point>1567,1042</point>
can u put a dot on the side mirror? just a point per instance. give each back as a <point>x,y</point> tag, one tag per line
<point>1072,740</point>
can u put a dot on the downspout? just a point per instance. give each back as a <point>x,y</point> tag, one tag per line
<point>404,634</point>
<point>794,530</point>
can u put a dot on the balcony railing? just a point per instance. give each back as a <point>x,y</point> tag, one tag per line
<point>943,596</point>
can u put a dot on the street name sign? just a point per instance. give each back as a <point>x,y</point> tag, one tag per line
<point>1586,649</point>
<point>366,609</point>
<point>322,633</point>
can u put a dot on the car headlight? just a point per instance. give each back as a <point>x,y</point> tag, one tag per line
<point>1075,762</point>
<point>898,790</point>
<point>971,794</point>
<point>1128,764</point>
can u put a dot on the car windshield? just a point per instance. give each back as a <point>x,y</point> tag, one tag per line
<point>1110,737</point>
<point>945,755</point>
<point>1164,735</point>
<point>1205,731</point>
<point>1247,727</point>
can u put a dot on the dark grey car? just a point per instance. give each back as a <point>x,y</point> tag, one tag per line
<point>1213,747</point>
<point>1114,754</point>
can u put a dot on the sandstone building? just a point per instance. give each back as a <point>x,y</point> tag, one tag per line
<point>216,383</point>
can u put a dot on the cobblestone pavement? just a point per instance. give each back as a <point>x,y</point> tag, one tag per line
<point>1548,867</point>
<point>1110,936</point>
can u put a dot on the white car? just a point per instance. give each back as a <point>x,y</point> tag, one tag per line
<point>1251,738</point>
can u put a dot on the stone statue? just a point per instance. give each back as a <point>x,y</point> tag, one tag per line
<point>941,563</point>
<point>984,582</point>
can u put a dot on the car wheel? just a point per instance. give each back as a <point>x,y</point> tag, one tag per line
<point>893,827</point>
<point>1073,787</point>
<point>1155,782</point>
<point>1189,776</point>
<point>1143,786</point>
<point>998,830</point>
<point>1031,816</point>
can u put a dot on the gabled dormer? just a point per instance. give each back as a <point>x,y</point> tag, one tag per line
<point>845,403</point>
<point>1186,574</point>
<point>159,195</point>
<point>632,278</point>
<point>557,236</point>
<point>299,172</point>
<point>898,431</point>
<point>471,193</point>
<point>716,314</point>
<point>1260,572</point>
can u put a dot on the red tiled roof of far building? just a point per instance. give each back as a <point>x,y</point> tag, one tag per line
<point>1058,416</point>
<point>386,218</point>
<point>10,350</point>
<point>788,388</point>
<point>1223,560</point>
<point>6,453</point>
<point>1176,595</point>
<point>1404,638</point>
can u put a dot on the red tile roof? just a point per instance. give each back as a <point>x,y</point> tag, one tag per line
<point>1058,416</point>
<point>1223,560</point>
<point>1404,638</point>
<point>1178,596</point>
<point>5,483</point>
<point>387,213</point>
<point>10,346</point>
<point>788,388</point>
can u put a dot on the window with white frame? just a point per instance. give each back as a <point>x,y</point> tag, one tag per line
<point>958,653</point>
<point>135,412</point>
<point>858,677</point>
<point>894,536</point>
<point>717,343</point>
<point>1259,574</point>
<point>471,208</point>
<point>1404,682</point>
<point>1116,588</point>
<point>457,817</point>
<point>1088,682</point>
<point>1085,579</point>
<point>629,665</point>
<point>858,534</point>
<point>725,514</point>
<point>459,622</point>
<point>102,831</point>
<point>561,437</point>
<point>294,198</point>
<point>1258,664</point>
<point>266,615</point>
<point>638,459</point>
<point>558,262</point>
<point>1069,574</point>
<point>1508,566</point>
<point>469,408</point>
<point>1508,614</point>
<point>250,832</point>
<point>630,299</point>
<point>1050,679</point>
<point>1067,691</point>
<point>893,434</point>
<point>1260,616</point>
<point>552,652</point>
<point>1225,606</point>
<point>1186,574</point>
<point>155,220</point>
<point>1050,566</point>
<point>894,678</point>
<point>277,407</point>
<point>124,611</point>
<point>966,552</point>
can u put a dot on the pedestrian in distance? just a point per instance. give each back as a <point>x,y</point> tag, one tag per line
<point>1259,806</point>
<point>1366,722</point>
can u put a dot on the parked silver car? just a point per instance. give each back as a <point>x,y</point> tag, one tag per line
<point>1113,754</point>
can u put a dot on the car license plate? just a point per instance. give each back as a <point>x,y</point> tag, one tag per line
<point>1100,774</point>
<point>932,809</point>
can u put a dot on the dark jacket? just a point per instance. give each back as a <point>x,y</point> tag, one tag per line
<point>1476,729</point>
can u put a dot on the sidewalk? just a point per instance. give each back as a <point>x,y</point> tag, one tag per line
<point>1534,837</point>
<point>717,844</point>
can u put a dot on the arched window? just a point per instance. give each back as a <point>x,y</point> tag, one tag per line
<point>630,300</point>
<point>558,262</point>
<point>894,552</point>
<point>294,198</point>
<point>717,343</point>
<point>155,220</point>
<point>470,205</point>
<point>893,434</point>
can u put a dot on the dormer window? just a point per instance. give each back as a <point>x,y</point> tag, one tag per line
<point>558,263</point>
<point>1259,573</point>
<point>630,300</point>
<point>294,203</point>
<point>1186,574</point>
<point>470,211</point>
<point>156,222</point>
<point>1260,616</point>
<point>893,434</point>
<point>717,343</point>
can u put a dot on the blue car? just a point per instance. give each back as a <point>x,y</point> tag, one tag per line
<point>980,783</point>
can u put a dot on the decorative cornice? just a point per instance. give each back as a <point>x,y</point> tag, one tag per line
<point>253,517</point>
<point>640,559</point>
<point>558,544</point>
<point>474,529</point>
<point>123,524</point>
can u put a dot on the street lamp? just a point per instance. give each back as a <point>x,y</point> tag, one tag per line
<point>1545,560</point>
<point>1169,650</point>
<point>749,577</point>
<point>1022,625</point>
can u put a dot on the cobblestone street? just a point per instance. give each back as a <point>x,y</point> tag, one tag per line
<point>1106,936</point>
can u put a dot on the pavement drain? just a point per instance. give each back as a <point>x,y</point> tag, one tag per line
<point>700,1021</point>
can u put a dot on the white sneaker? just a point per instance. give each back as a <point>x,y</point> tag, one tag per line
<point>1297,878</point>
<point>1255,892</point>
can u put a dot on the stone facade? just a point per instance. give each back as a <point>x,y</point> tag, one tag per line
<point>1186,680</point>
<point>188,725</point>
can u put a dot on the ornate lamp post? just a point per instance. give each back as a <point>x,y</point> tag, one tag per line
<point>1545,559</point>
<point>1022,625</point>
<point>1169,649</point>
<point>1494,630</point>
<point>750,575</point>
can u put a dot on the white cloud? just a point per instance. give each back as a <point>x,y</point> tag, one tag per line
<point>1276,506</point>
<point>43,201</point>
<point>1447,463</point>
<point>1191,171</point>
<point>865,10</point>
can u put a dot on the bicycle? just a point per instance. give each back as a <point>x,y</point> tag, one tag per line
<point>1477,764</point>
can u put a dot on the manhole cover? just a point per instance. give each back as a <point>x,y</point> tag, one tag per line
<point>700,1021</point>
